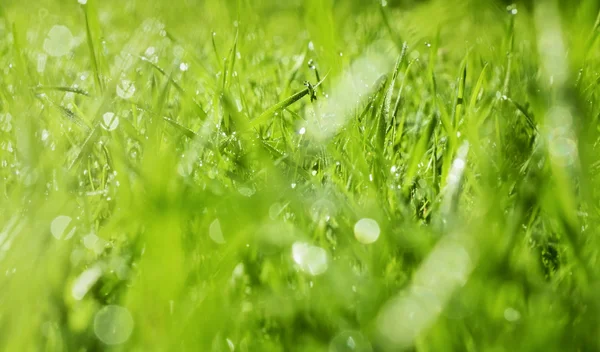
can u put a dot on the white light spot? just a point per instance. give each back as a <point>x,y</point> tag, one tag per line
<point>59,41</point>
<point>215,233</point>
<point>183,66</point>
<point>125,89</point>
<point>311,46</point>
<point>85,281</point>
<point>246,191</point>
<point>231,345</point>
<point>366,230</point>
<point>45,135</point>
<point>512,315</point>
<point>185,168</point>
<point>113,324</point>
<point>302,130</point>
<point>82,2</point>
<point>59,227</point>
<point>94,243</point>
<point>41,62</point>
<point>310,259</point>
<point>110,121</point>
<point>416,308</point>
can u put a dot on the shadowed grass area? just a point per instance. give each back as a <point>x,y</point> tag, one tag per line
<point>299,175</point>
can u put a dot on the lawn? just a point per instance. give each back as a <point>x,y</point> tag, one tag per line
<point>299,175</point>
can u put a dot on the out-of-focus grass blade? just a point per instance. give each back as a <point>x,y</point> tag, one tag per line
<point>477,89</point>
<point>230,63</point>
<point>62,89</point>
<point>179,127</point>
<point>89,12</point>
<point>384,117</point>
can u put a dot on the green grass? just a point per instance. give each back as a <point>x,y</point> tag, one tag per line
<point>187,175</point>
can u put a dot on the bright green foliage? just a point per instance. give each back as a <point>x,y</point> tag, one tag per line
<point>187,175</point>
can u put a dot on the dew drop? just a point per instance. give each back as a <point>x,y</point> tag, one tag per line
<point>113,324</point>
<point>310,259</point>
<point>59,227</point>
<point>59,41</point>
<point>215,233</point>
<point>125,89</point>
<point>366,231</point>
<point>512,315</point>
<point>110,121</point>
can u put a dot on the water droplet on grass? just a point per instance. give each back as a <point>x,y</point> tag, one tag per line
<point>59,227</point>
<point>183,67</point>
<point>113,324</point>
<point>366,230</point>
<point>110,121</point>
<point>125,89</point>
<point>59,41</point>
<point>215,233</point>
<point>311,259</point>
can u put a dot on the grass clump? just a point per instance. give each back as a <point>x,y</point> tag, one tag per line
<point>299,175</point>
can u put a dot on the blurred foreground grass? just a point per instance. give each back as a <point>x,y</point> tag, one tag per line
<point>299,176</point>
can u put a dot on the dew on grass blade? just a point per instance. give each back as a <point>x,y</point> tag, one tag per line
<point>60,227</point>
<point>310,259</point>
<point>183,67</point>
<point>85,281</point>
<point>59,41</point>
<point>113,324</point>
<point>110,121</point>
<point>322,208</point>
<point>215,233</point>
<point>366,230</point>
<point>125,89</point>
<point>350,341</point>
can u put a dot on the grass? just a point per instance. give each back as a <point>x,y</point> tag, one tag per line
<point>187,175</point>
